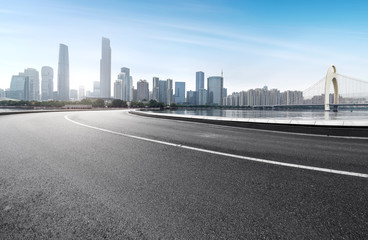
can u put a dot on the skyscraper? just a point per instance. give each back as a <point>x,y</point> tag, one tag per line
<point>180,92</point>
<point>155,88</point>
<point>81,93</point>
<point>192,97</point>
<point>118,89</point>
<point>199,80</point>
<point>127,86</point>
<point>142,90</point>
<point>34,83</point>
<point>214,90</point>
<point>47,83</point>
<point>202,96</point>
<point>96,89</point>
<point>19,87</point>
<point>224,92</point>
<point>105,69</point>
<point>169,93</point>
<point>63,73</point>
<point>162,96</point>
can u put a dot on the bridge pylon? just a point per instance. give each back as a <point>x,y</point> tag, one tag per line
<point>331,77</point>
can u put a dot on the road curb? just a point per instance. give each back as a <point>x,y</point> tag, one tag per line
<point>326,130</point>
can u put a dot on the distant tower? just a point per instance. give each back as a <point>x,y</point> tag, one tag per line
<point>142,90</point>
<point>127,86</point>
<point>47,83</point>
<point>63,73</point>
<point>169,94</point>
<point>118,89</point>
<point>81,93</point>
<point>34,83</point>
<point>155,88</point>
<point>180,92</point>
<point>199,81</point>
<point>215,90</point>
<point>105,69</point>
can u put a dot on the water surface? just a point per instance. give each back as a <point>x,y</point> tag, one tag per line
<point>278,114</point>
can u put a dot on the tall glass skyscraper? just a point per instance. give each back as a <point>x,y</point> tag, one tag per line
<point>47,83</point>
<point>169,94</point>
<point>105,69</point>
<point>202,96</point>
<point>63,73</point>
<point>19,87</point>
<point>126,84</point>
<point>214,90</point>
<point>162,91</point>
<point>34,83</point>
<point>199,80</point>
<point>179,92</point>
<point>155,88</point>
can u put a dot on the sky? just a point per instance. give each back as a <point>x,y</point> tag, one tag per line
<point>283,44</point>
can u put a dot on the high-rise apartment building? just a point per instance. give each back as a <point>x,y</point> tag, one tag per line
<point>179,92</point>
<point>81,93</point>
<point>63,73</point>
<point>142,90</point>
<point>243,100</point>
<point>265,97</point>
<point>47,83</point>
<point>155,88</point>
<point>105,69</point>
<point>215,90</point>
<point>134,95</point>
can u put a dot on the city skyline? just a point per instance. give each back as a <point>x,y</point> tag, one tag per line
<point>287,45</point>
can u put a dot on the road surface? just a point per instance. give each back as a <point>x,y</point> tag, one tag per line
<point>109,174</point>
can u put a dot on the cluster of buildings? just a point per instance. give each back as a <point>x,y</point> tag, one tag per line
<point>264,97</point>
<point>26,86</point>
<point>167,91</point>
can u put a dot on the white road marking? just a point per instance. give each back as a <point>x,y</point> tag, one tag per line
<point>355,174</point>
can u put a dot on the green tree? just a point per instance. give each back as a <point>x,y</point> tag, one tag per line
<point>86,101</point>
<point>154,104</point>
<point>117,103</point>
<point>98,103</point>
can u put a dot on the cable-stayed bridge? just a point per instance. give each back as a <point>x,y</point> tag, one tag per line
<point>337,89</point>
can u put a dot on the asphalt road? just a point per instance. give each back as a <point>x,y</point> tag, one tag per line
<point>109,174</point>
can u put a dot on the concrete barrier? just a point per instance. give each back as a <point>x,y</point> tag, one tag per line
<point>315,127</point>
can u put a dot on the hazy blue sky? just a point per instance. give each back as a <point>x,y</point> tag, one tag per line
<point>282,44</point>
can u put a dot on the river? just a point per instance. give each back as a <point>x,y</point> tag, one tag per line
<point>278,114</point>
